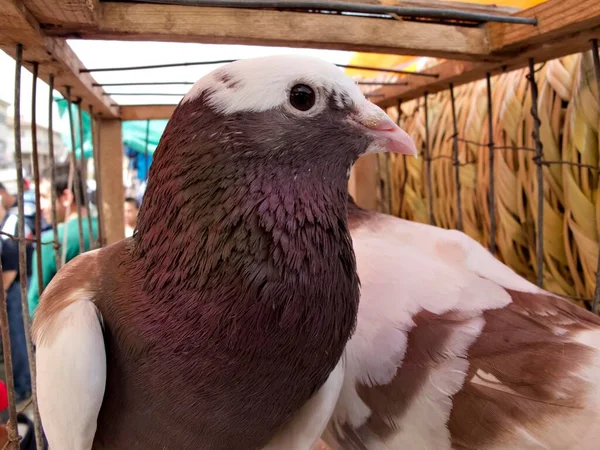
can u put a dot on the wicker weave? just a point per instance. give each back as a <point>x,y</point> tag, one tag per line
<point>568,109</point>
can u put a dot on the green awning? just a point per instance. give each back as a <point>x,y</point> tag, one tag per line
<point>61,103</point>
<point>135,132</point>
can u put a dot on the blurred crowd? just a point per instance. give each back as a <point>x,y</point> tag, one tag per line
<point>65,209</point>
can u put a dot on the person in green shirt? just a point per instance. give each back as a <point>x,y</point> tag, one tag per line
<point>66,215</point>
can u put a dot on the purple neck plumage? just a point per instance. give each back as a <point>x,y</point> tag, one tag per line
<point>213,205</point>
<point>250,259</point>
<point>199,221</point>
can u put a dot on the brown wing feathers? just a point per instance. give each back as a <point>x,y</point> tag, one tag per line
<point>524,378</point>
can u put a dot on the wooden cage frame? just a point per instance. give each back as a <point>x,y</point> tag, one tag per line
<point>474,42</point>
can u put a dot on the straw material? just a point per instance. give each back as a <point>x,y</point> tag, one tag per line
<point>568,109</point>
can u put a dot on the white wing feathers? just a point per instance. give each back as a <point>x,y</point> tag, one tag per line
<point>71,375</point>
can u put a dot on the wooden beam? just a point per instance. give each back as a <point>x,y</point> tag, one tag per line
<point>111,176</point>
<point>147,112</point>
<point>85,13</point>
<point>283,28</point>
<point>64,12</point>
<point>17,25</point>
<point>557,19</point>
<point>457,72</point>
<point>462,72</point>
<point>558,34</point>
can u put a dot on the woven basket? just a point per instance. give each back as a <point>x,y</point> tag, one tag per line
<point>568,110</point>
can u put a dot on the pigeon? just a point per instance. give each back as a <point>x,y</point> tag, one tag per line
<point>222,322</point>
<point>454,350</point>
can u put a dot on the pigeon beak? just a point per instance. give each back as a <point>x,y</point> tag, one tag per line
<point>389,137</point>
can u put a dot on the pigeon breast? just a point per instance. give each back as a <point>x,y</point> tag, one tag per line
<point>238,293</point>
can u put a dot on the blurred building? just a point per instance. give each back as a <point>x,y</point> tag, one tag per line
<point>6,137</point>
<point>7,163</point>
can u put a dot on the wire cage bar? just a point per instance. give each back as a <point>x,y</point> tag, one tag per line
<point>11,426</point>
<point>83,173</point>
<point>492,193</point>
<point>57,256</point>
<point>428,161</point>
<point>39,442</point>
<point>382,11</point>
<point>456,162</point>
<point>100,242</point>
<point>596,59</point>
<point>538,160</point>
<point>225,61</point>
<point>74,179</point>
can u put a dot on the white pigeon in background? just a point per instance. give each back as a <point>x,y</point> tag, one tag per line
<point>454,350</point>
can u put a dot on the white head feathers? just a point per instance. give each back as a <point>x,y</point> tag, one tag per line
<point>261,84</point>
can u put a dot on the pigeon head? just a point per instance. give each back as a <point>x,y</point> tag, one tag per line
<point>266,141</point>
<point>298,112</point>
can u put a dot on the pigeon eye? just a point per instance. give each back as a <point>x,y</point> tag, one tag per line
<point>302,97</point>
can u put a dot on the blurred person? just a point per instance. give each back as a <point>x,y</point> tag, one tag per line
<point>66,215</point>
<point>132,207</point>
<point>9,256</point>
<point>10,203</point>
<point>25,426</point>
